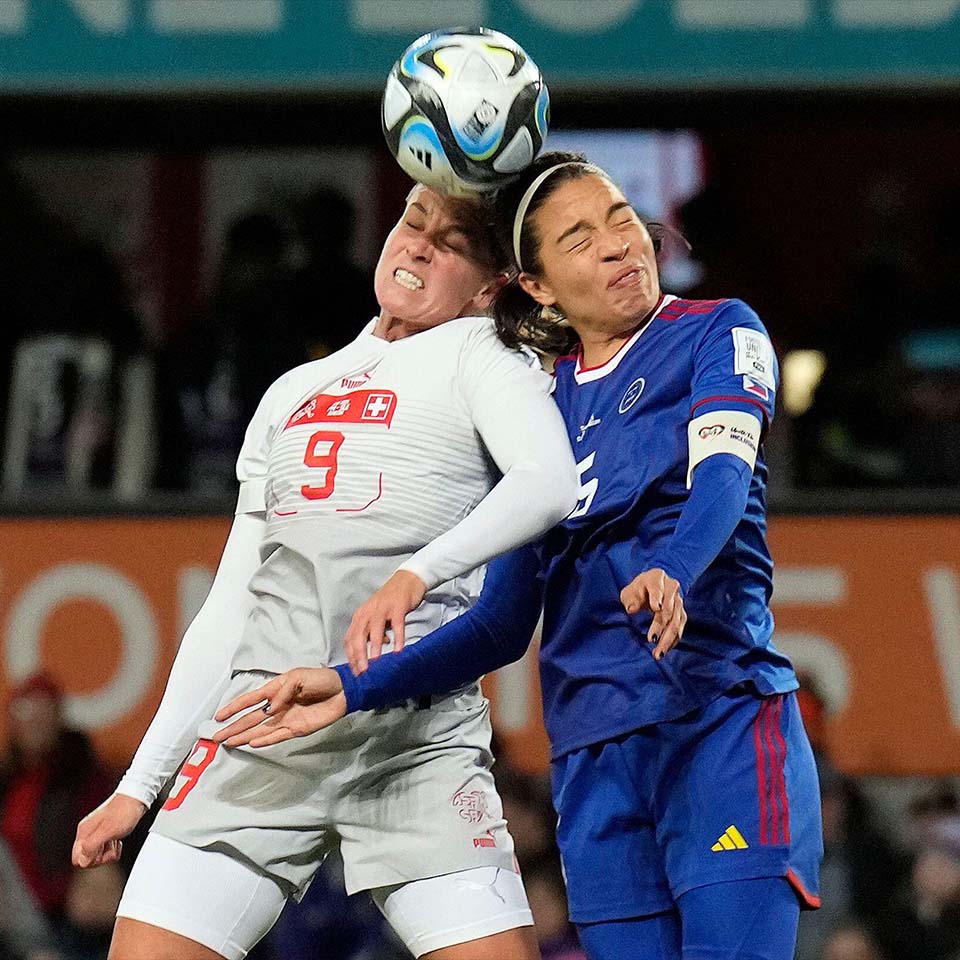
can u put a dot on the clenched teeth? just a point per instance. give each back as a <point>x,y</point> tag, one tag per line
<point>407,279</point>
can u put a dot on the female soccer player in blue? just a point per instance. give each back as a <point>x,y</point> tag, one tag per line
<point>686,789</point>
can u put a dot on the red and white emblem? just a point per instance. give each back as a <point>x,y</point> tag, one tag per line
<point>472,806</point>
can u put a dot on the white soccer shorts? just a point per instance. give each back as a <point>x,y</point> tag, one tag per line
<point>227,906</point>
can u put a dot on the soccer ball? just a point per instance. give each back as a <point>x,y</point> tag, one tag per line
<point>465,111</point>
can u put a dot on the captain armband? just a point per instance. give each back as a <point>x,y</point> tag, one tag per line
<point>722,431</point>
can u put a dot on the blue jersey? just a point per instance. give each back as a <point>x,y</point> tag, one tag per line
<point>627,421</point>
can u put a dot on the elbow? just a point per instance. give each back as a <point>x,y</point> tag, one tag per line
<point>565,490</point>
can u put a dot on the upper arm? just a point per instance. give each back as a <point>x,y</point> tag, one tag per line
<point>734,365</point>
<point>512,408</point>
<point>253,461</point>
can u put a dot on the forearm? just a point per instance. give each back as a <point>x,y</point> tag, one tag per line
<point>201,669</point>
<point>530,498</point>
<point>718,497</point>
<point>494,633</point>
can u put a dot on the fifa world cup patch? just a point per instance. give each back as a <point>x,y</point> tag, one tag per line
<point>753,356</point>
<point>730,839</point>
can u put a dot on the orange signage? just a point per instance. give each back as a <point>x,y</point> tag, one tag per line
<point>868,607</point>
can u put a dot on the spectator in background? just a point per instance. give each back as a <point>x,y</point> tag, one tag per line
<point>925,924</point>
<point>25,933</point>
<point>62,294</point>
<point>221,361</point>
<point>860,869</point>
<point>851,942</point>
<point>48,779</point>
<point>547,894</point>
<point>328,279</point>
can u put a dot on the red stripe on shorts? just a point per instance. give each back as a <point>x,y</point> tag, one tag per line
<point>769,721</point>
<point>761,774</point>
<point>781,775</point>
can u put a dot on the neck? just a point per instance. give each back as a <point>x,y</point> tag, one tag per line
<point>389,327</point>
<point>598,346</point>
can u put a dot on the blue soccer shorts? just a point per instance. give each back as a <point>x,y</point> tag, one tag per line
<point>727,792</point>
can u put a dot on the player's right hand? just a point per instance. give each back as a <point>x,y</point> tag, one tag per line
<point>100,833</point>
<point>299,702</point>
<point>389,606</point>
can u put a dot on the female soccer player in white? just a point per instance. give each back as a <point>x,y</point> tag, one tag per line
<point>376,465</point>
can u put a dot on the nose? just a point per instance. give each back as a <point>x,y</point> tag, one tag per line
<point>613,246</point>
<point>420,248</point>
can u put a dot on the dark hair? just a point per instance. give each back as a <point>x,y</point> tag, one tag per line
<point>475,216</point>
<point>519,318</point>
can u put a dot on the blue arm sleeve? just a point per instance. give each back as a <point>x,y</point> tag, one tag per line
<point>718,498</point>
<point>494,633</point>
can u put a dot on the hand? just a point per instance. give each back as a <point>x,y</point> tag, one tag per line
<point>654,590</point>
<point>403,592</point>
<point>299,702</point>
<point>99,834</point>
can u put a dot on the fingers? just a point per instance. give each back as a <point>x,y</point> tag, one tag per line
<point>399,624</point>
<point>660,594</point>
<point>253,732</point>
<point>246,700</point>
<point>355,643</point>
<point>94,848</point>
<point>247,722</point>
<point>634,595</point>
<point>378,637</point>
<point>672,632</point>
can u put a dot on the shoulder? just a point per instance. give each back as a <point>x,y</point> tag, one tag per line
<point>726,310</point>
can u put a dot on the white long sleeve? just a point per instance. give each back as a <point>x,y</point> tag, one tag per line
<point>522,429</point>
<point>201,670</point>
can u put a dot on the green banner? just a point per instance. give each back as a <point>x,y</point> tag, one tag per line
<point>199,45</point>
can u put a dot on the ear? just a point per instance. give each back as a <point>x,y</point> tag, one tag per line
<point>538,289</point>
<point>485,295</point>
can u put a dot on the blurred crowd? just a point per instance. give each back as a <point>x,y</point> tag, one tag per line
<point>93,397</point>
<point>890,889</point>
<point>90,399</point>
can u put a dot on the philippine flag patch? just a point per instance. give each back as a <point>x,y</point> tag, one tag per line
<point>757,389</point>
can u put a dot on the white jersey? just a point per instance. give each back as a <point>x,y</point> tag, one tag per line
<point>362,459</point>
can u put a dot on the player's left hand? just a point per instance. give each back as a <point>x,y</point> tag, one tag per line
<point>389,606</point>
<point>299,702</point>
<point>654,590</point>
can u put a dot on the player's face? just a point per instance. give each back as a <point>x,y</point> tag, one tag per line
<point>425,275</point>
<point>599,264</point>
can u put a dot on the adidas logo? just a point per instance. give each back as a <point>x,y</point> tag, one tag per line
<point>730,839</point>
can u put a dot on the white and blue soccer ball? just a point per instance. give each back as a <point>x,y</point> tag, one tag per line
<point>464,111</point>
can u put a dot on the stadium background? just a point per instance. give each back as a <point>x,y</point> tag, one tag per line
<point>184,184</point>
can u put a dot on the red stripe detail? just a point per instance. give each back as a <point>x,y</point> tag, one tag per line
<point>370,504</point>
<point>761,775</point>
<point>810,899</point>
<point>781,774</point>
<point>567,356</point>
<point>756,403</point>
<point>771,755</point>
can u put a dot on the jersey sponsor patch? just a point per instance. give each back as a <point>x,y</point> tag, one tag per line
<point>753,356</point>
<point>724,431</point>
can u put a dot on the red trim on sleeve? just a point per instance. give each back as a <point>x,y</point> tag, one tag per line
<point>756,403</point>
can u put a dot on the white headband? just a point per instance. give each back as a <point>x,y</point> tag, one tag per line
<point>532,189</point>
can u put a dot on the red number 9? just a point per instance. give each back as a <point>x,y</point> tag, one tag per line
<point>326,460</point>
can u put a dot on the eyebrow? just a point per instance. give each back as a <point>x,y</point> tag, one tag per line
<point>420,207</point>
<point>584,225</point>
